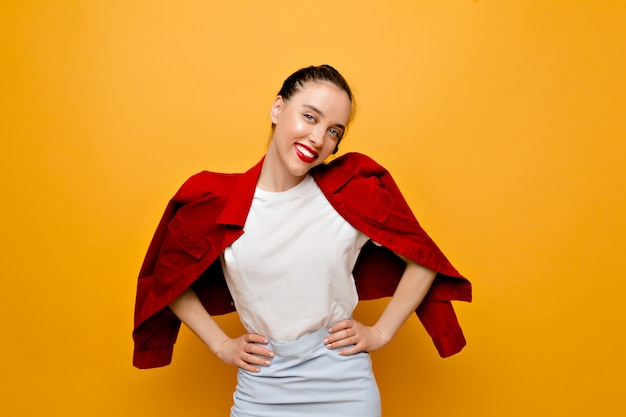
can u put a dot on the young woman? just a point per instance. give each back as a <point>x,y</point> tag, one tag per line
<point>296,242</point>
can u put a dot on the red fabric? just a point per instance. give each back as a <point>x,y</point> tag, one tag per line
<point>208,213</point>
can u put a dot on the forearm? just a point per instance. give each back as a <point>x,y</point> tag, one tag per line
<point>189,309</point>
<point>410,292</point>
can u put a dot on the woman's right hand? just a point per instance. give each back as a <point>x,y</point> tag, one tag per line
<point>246,352</point>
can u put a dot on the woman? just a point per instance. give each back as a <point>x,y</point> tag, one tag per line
<point>317,238</point>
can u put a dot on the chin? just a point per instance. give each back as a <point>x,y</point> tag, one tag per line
<point>299,173</point>
<point>298,170</point>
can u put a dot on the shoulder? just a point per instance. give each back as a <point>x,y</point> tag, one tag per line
<point>354,160</point>
<point>349,166</point>
<point>205,184</point>
<point>355,175</point>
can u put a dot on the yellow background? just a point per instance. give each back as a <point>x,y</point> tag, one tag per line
<point>502,121</point>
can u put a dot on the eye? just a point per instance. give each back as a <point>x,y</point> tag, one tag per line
<point>335,133</point>
<point>309,118</point>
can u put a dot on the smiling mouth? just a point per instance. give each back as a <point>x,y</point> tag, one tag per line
<point>305,153</point>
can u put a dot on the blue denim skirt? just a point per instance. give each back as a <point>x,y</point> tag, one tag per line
<point>306,379</point>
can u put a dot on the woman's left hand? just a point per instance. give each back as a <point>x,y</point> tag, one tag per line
<point>357,336</point>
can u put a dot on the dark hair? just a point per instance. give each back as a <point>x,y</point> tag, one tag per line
<point>321,73</point>
<point>296,81</point>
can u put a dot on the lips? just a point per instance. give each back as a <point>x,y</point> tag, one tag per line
<point>305,153</point>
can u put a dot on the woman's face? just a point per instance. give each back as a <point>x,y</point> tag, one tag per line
<point>307,129</point>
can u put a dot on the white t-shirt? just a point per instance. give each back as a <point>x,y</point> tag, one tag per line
<point>290,273</point>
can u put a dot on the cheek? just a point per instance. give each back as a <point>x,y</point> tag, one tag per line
<point>328,148</point>
<point>299,127</point>
<point>293,125</point>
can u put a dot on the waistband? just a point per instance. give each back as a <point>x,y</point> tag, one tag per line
<point>306,343</point>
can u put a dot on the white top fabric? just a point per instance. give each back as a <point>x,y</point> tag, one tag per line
<point>290,273</point>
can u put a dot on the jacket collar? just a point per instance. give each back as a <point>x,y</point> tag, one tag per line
<point>329,177</point>
<point>332,176</point>
<point>238,205</point>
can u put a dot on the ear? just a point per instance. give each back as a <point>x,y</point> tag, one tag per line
<point>277,107</point>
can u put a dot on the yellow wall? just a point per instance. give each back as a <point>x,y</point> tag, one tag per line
<point>503,122</point>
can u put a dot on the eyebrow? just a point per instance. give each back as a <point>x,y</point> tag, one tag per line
<point>319,112</point>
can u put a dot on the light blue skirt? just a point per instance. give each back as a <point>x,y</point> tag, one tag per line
<point>306,379</point>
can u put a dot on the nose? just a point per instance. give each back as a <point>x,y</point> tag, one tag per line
<point>317,137</point>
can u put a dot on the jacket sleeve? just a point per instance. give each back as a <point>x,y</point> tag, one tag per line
<point>377,273</point>
<point>177,258</point>
<point>373,203</point>
<point>155,327</point>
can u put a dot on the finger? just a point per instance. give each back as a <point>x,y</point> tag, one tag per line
<point>255,344</point>
<point>255,359</point>
<point>353,350</point>
<point>340,335</point>
<point>256,338</point>
<point>259,350</point>
<point>342,325</point>
<point>249,367</point>
<point>342,342</point>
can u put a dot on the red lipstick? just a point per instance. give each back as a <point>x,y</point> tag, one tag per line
<point>305,153</point>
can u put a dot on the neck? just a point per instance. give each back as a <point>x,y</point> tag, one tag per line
<point>275,178</point>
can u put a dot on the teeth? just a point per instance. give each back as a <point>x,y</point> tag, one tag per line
<point>306,152</point>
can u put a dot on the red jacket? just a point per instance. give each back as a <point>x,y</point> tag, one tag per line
<point>208,213</point>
